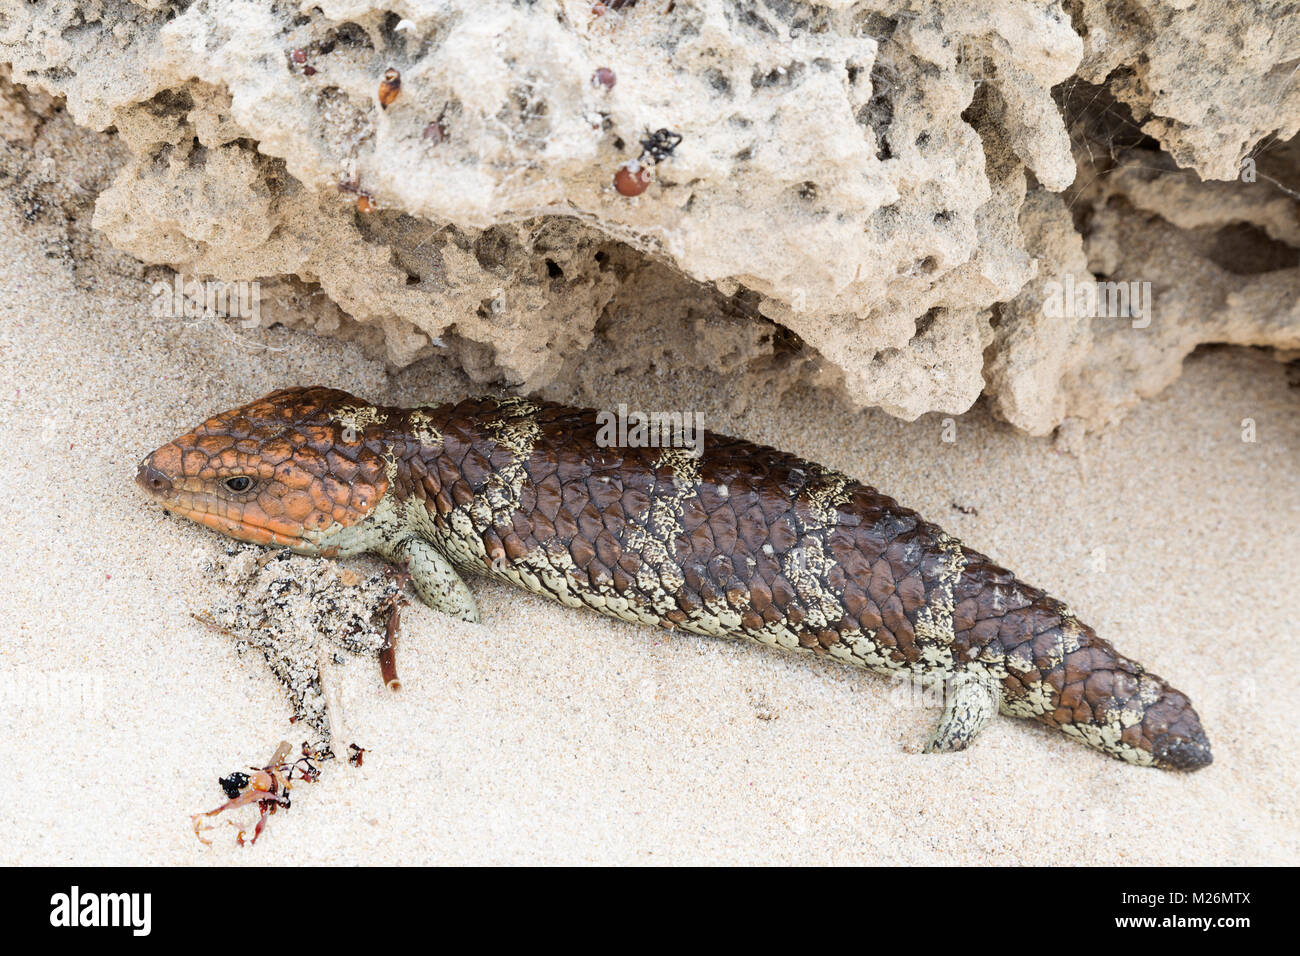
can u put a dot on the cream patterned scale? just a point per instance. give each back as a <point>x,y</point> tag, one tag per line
<point>741,542</point>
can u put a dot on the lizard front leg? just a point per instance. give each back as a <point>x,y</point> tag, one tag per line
<point>436,582</point>
<point>972,701</point>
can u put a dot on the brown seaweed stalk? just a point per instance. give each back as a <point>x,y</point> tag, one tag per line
<point>268,787</point>
<point>388,653</point>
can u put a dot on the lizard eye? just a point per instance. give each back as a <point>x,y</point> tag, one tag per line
<point>238,483</point>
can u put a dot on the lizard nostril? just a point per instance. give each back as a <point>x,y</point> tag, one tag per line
<point>153,480</point>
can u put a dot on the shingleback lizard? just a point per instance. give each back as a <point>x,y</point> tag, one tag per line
<point>742,541</point>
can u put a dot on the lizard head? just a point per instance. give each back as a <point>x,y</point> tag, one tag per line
<point>290,469</point>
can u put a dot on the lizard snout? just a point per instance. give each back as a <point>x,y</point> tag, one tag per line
<point>152,480</point>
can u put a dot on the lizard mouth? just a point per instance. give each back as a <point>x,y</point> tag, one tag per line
<point>228,518</point>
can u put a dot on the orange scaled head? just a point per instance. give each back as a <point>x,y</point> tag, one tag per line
<point>288,469</point>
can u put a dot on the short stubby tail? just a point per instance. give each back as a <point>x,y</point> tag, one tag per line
<point>1116,705</point>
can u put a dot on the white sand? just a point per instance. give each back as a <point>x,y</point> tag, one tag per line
<point>551,735</point>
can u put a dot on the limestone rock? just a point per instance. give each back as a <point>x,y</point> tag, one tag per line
<point>873,197</point>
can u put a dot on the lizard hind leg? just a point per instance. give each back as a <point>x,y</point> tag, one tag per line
<point>971,701</point>
<point>436,582</point>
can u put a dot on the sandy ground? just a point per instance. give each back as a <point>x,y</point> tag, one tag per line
<point>545,734</point>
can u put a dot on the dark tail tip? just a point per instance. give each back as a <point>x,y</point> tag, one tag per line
<point>1182,753</point>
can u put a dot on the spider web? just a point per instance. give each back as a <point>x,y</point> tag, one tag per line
<point>1102,128</point>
